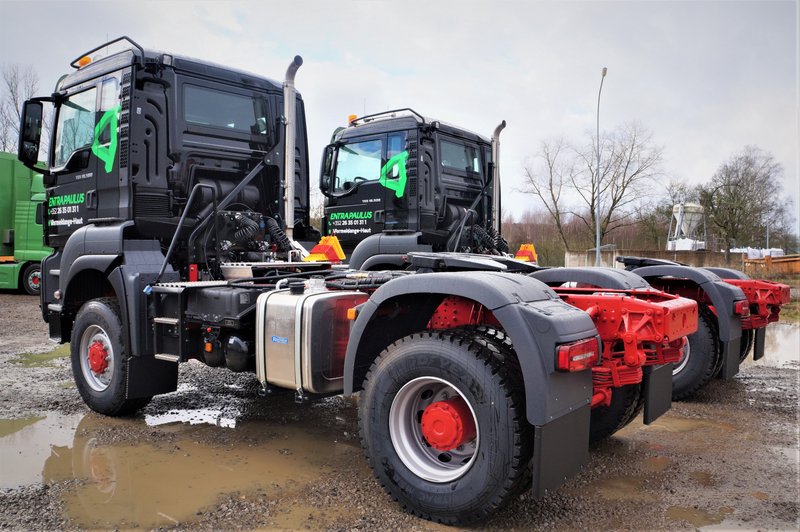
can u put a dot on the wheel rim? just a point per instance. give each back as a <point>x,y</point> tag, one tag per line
<point>406,433</point>
<point>687,350</point>
<point>97,358</point>
<point>34,280</point>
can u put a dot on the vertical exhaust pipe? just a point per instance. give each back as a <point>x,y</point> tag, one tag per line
<point>496,214</point>
<point>289,108</point>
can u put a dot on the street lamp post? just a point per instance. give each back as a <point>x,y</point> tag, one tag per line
<point>597,181</point>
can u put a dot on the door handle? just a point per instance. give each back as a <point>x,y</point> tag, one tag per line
<point>91,199</point>
<point>379,217</point>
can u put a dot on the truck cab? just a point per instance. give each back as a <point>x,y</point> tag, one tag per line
<point>135,133</point>
<point>400,181</point>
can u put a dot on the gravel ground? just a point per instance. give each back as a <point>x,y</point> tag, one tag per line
<point>727,459</point>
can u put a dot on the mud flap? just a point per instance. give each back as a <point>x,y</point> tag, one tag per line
<point>758,343</point>
<point>560,449</point>
<point>657,391</point>
<point>148,376</point>
<point>730,358</point>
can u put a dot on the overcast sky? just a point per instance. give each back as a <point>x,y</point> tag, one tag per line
<point>707,78</point>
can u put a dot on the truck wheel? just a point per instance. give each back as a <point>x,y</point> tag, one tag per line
<point>701,358</point>
<point>442,424</point>
<point>31,279</point>
<point>626,403</point>
<point>746,344</point>
<point>99,359</point>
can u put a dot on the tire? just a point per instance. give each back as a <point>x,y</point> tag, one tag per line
<point>31,279</point>
<point>748,336</point>
<point>472,480</point>
<point>626,403</point>
<point>701,360</point>
<point>100,359</point>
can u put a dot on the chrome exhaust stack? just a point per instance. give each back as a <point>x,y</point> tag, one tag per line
<point>289,117</point>
<point>496,215</point>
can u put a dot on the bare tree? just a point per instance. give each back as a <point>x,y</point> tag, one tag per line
<point>744,197</point>
<point>629,162</point>
<point>566,180</point>
<point>19,83</point>
<point>553,167</point>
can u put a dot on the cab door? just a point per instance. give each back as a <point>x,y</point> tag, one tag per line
<point>355,206</point>
<point>72,196</point>
<point>396,183</point>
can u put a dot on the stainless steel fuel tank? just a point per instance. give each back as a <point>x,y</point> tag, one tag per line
<point>301,338</point>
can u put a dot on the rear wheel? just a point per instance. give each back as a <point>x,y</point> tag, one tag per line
<point>31,279</point>
<point>443,426</point>
<point>100,359</point>
<point>746,344</point>
<point>626,403</point>
<point>701,358</point>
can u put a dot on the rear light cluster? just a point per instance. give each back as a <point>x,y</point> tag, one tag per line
<point>578,356</point>
<point>741,308</point>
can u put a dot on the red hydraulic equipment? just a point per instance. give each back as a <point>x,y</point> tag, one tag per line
<point>765,299</point>
<point>637,328</point>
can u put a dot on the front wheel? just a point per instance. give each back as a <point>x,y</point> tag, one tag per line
<point>443,426</point>
<point>100,359</point>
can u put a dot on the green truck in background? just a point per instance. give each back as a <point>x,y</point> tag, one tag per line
<point>21,246</point>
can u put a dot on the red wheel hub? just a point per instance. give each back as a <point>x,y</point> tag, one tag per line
<point>448,424</point>
<point>35,280</point>
<point>98,357</point>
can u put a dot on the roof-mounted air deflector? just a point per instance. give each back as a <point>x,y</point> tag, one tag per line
<point>385,115</point>
<point>122,43</point>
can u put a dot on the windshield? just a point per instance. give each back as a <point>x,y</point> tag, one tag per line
<point>75,128</point>
<point>356,162</point>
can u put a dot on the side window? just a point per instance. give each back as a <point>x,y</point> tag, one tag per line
<point>109,100</point>
<point>396,145</point>
<point>356,162</point>
<point>458,156</point>
<point>75,127</point>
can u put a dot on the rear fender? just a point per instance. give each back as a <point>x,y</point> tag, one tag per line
<point>613,278</point>
<point>721,294</point>
<point>533,316</point>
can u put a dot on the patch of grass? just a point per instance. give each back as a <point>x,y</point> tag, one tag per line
<point>10,426</point>
<point>791,312</point>
<point>38,360</point>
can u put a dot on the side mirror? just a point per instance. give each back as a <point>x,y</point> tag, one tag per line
<point>326,170</point>
<point>30,133</point>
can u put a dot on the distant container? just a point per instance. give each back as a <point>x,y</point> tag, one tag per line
<point>688,219</point>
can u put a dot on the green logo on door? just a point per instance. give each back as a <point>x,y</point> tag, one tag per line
<point>397,184</point>
<point>106,153</point>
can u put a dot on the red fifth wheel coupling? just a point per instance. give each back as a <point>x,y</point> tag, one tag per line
<point>98,357</point>
<point>448,424</point>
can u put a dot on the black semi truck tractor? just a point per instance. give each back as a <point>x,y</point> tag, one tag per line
<point>177,196</point>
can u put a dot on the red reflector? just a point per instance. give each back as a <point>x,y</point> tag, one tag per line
<point>578,356</point>
<point>741,308</point>
<point>193,273</point>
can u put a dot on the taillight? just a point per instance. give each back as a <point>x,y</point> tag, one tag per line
<point>578,356</point>
<point>741,308</point>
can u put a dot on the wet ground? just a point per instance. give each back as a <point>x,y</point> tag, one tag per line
<point>214,455</point>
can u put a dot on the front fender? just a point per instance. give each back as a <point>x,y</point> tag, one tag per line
<point>532,315</point>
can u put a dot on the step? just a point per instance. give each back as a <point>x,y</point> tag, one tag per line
<point>168,357</point>
<point>166,321</point>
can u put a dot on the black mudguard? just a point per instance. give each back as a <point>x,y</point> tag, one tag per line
<point>612,278</point>
<point>722,295</point>
<point>535,319</point>
<point>397,244</point>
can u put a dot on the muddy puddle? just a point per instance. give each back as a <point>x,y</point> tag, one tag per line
<point>782,346</point>
<point>168,474</point>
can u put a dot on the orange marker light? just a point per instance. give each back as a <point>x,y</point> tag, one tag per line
<point>351,314</point>
<point>209,347</point>
<point>83,61</point>
<point>351,118</point>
